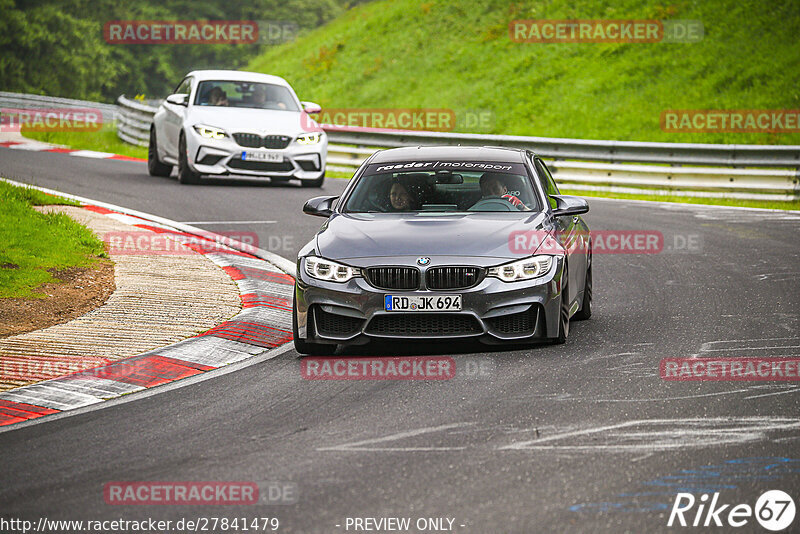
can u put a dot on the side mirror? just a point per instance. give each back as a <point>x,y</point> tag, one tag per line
<point>177,99</point>
<point>311,107</point>
<point>569,205</point>
<point>320,206</point>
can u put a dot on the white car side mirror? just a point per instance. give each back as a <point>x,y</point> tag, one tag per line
<point>311,107</point>
<point>177,99</point>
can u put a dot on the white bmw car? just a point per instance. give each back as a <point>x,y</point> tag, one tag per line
<point>221,123</point>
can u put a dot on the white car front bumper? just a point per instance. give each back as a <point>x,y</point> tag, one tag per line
<point>222,157</point>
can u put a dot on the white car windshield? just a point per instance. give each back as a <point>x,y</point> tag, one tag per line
<point>442,187</point>
<point>245,95</point>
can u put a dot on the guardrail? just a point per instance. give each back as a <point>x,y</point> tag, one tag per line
<point>22,100</point>
<point>605,165</point>
<point>133,123</point>
<point>714,182</point>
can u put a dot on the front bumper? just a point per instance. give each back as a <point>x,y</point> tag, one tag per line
<point>493,311</point>
<point>222,157</point>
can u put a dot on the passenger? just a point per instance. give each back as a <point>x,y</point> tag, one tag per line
<point>261,97</point>
<point>493,185</point>
<point>400,199</point>
<point>217,97</point>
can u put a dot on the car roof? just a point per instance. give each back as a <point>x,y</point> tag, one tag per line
<point>447,152</point>
<point>237,75</point>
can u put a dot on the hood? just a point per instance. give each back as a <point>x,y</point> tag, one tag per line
<point>348,236</point>
<point>262,121</point>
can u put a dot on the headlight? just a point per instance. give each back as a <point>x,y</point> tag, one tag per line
<point>328,270</point>
<point>526,269</point>
<point>210,132</point>
<point>310,138</point>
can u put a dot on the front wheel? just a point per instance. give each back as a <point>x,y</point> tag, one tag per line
<point>563,312</point>
<point>305,347</point>
<point>154,166</point>
<point>185,174</point>
<point>586,307</point>
<point>313,183</point>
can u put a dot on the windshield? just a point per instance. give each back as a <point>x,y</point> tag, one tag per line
<point>442,186</point>
<point>245,95</point>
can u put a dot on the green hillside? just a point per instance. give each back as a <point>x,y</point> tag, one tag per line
<point>457,54</point>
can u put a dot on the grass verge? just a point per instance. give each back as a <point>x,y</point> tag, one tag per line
<point>103,140</point>
<point>34,243</point>
<point>468,62</point>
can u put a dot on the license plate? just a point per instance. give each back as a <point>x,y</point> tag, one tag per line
<point>275,157</point>
<point>420,303</point>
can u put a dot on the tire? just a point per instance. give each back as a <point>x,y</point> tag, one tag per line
<point>185,174</point>
<point>563,312</point>
<point>155,167</point>
<point>586,307</point>
<point>304,347</point>
<point>313,183</point>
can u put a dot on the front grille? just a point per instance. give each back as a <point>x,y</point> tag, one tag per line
<point>393,277</point>
<point>335,325</point>
<point>514,323</point>
<point>246,165</point>
<point>424,325</point>
<point>251,140</point>
<point>453,277</point>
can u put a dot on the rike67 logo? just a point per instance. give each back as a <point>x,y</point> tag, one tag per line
<point>774,510</point>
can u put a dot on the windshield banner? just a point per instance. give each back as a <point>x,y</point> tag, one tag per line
<point>466,166</point>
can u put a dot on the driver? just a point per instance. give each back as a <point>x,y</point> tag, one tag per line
<point>493,186</point>
<point>217,97</point>
<point>399,198</point>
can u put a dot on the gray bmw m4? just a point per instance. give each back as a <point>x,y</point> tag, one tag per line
<point>444,242</point>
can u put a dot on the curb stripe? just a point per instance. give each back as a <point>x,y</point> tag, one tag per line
<point>148,371</point>
<point>252,300</point>
<point>234,273</point>
<point>41,146</point>
<point>251,333</point>
<point>271,276</point>
<point>15,412</point>
<point>98,209</point>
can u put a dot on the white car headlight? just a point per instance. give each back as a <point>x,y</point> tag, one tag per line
<point>210,132</point>
<point>328,270</point>
<point>526,269</point>
<point>310,138</point>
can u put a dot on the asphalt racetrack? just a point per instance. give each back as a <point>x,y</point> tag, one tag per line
<point>582,437</point>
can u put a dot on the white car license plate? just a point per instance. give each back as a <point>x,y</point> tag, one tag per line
<point>275,157</point>
<point>420,303</point>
